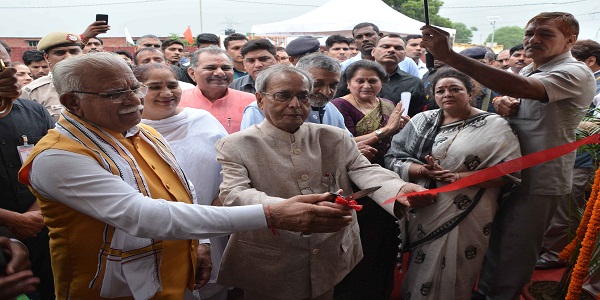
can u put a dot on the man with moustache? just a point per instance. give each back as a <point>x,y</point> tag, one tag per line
<point>553,85</point>
<point>93,45</point>
<point>34,60</point>
<point>212,70</point>
<point>502,59</point>
<point>258,55</point>
<point>518,60</point>
<point>56,46</point>
<point>415,52</point>
<point>125,214</point>
<point>366,36</point>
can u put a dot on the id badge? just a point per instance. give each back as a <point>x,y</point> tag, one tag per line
<point>24,152</point>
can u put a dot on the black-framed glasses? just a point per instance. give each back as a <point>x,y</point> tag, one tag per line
<point>120,96</point>
<point>287,96</point>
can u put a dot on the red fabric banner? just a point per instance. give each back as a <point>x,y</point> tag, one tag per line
<point>508,167</point>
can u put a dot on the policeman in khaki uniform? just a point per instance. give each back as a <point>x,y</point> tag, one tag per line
<point>56,47</point>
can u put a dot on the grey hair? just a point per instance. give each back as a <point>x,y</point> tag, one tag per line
<point>265,76</point>
<point>68,74</point>
<point>210,50</point>
<point>147,36</point>
<point>319,61</point>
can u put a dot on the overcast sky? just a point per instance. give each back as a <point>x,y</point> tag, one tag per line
<point>33,18</point>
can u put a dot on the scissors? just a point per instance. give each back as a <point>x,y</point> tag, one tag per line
<point>351,200</point>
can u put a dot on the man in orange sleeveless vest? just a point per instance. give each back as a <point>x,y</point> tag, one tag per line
<point>121,213</point>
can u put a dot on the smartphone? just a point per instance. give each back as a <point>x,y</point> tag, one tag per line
<point>101,17</point>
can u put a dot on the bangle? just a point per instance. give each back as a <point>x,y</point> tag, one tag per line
<point>270,223</point>
<point>494,100</point>
<point>457,176</point>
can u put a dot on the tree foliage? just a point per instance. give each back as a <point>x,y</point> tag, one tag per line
<point>463,33</point>
<point>175,36</point>
<point>508,36</point>
<point>415,9</point>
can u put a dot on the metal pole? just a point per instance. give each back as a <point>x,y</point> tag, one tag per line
<point>493,31</point>
<point>201,19</point>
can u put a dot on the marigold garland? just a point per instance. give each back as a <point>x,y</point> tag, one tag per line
<point>583,225</point>
<point>588,244</point>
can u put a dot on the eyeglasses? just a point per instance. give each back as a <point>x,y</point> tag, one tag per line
<point>120,96</point>
<point>287,97</point>
<point>151,45</point>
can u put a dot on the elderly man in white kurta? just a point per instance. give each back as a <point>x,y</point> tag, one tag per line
<point>283,157</point>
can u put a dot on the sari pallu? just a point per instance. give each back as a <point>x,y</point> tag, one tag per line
<point>448,240</point>
<point>360,124</point>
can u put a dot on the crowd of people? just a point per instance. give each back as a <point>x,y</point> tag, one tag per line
<point>162,174</point>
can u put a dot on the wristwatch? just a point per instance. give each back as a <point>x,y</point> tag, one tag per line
<point>378,132</point>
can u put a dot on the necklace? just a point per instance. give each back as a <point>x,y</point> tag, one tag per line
<point>462,125</point>
<point>358,105</point>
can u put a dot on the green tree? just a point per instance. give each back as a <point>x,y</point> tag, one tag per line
<point>508,36</point>
<point>415,9</point>
<point>175,36</point>
<point>463,33</point>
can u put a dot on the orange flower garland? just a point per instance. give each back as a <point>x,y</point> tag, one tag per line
<point>583,225</point>
<point>589,241</point>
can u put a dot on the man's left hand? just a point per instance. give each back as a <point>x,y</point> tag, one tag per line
<point>415,201</point>
<point>203,266</point>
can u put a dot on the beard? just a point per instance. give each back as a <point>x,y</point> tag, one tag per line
<point>319,101</point>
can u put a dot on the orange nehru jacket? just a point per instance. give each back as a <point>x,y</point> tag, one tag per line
<point>76,239</point>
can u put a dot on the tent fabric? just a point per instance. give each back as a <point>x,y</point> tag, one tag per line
<point>340,16</point>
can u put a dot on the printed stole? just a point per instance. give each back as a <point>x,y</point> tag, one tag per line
<point>131,263</point>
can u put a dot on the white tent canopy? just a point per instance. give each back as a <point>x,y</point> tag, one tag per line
<point>340,16</point>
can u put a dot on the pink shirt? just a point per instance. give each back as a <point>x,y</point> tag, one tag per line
<point>228,110</point>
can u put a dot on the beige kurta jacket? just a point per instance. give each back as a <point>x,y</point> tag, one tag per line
<point>264,164</point>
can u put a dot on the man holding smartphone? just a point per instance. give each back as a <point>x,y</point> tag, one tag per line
<point>56,47</point>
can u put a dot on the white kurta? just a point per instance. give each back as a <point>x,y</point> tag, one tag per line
<point>192,134</point>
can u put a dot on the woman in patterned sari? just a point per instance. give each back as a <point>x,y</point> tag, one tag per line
<point>448,239</point>
<point>366,116</point>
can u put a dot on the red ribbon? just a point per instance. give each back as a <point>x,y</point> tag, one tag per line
<point>351,203</point>
<point>507,167</point>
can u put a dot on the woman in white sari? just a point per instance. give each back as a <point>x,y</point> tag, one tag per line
<point>448,239</point>
<point>192,133</point>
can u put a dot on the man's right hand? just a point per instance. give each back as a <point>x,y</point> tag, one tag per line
<point>308,213</point>
<point>95,29</point>
<point>27,224</point>
<point>9,90</point>
<point>506,106</point>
